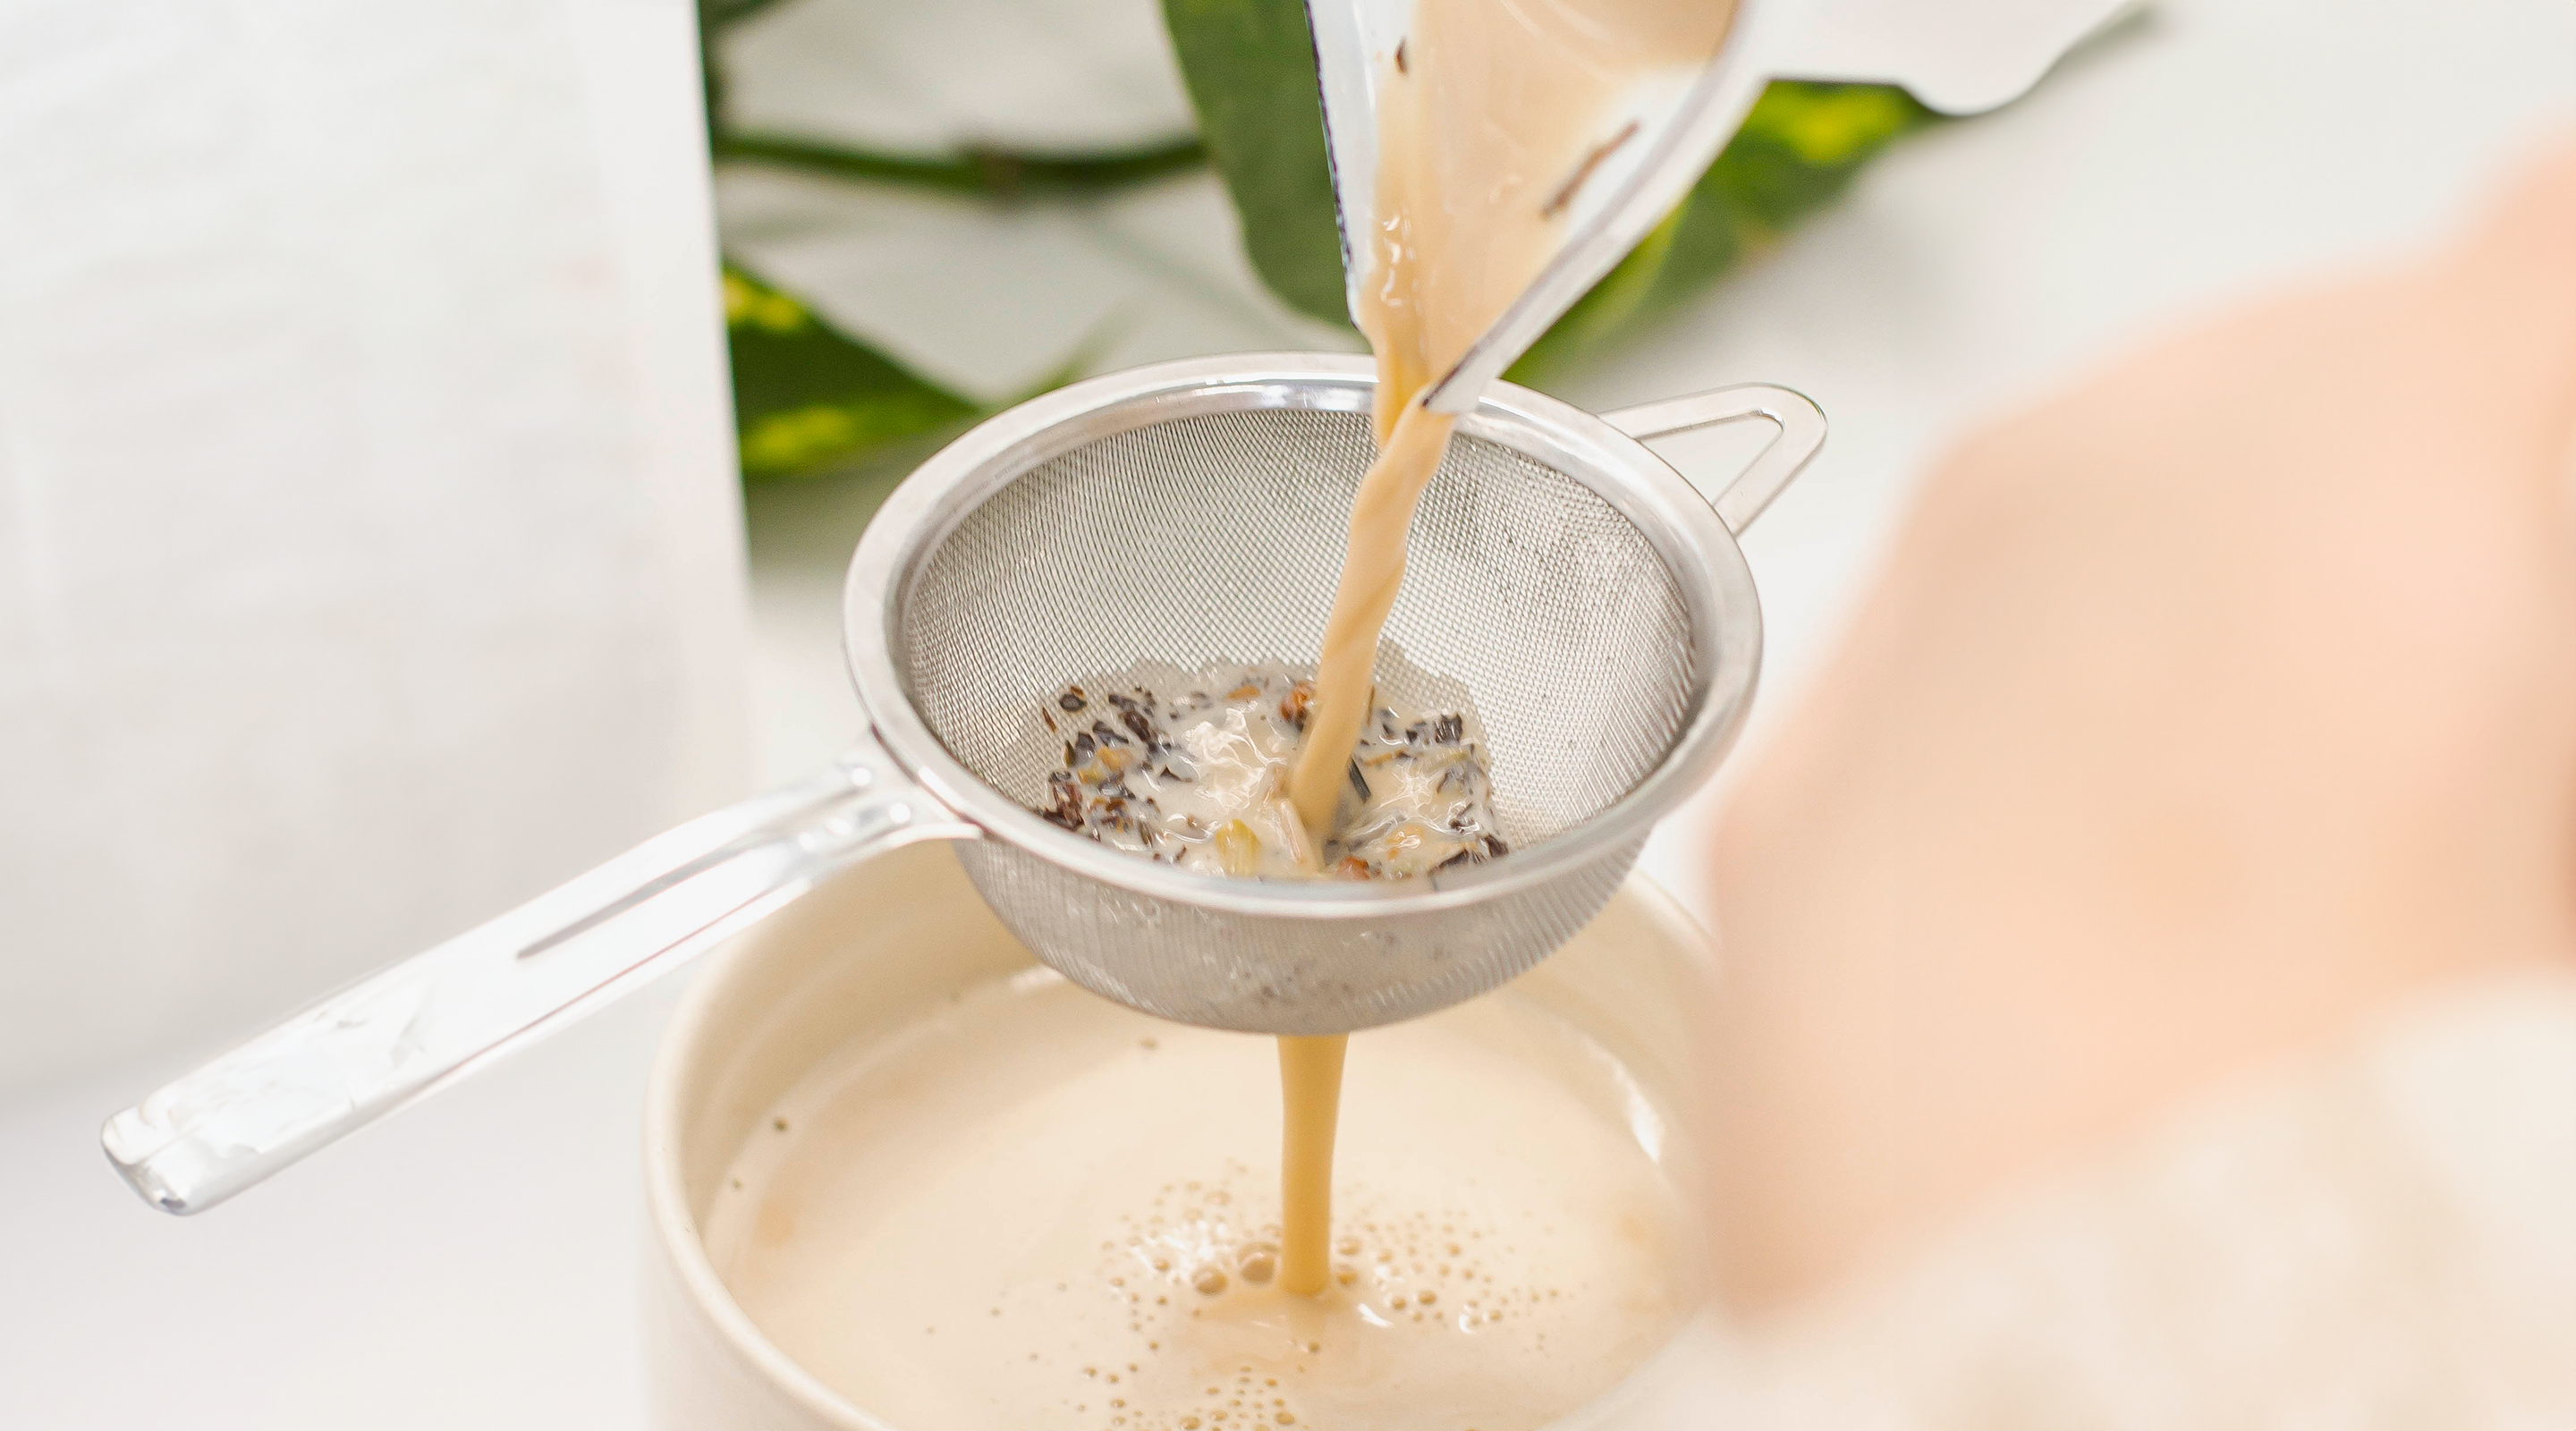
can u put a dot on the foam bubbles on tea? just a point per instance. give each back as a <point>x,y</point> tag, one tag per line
<point>1028,1207</point>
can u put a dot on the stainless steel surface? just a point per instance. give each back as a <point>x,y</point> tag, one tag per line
<point>1961,57</point>
<point>1584,596</point>
<point>400,1034</point>
<point>1801,436</point>
<point>1683,119</point>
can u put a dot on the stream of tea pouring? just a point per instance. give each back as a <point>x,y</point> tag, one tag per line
<point>943,642</point>
<point>1656,137</point>
<point>1492,163</point>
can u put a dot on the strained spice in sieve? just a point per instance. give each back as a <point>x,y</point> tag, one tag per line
<point>1191,768</point>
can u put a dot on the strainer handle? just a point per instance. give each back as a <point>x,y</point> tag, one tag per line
<point>1802,435</point>
<point>407,1031</point>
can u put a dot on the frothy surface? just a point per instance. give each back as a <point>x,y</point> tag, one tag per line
<point>1036,1209</point>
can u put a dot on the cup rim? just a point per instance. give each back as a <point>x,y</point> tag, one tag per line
<point>679,1056</point>
<point>676,1057</point>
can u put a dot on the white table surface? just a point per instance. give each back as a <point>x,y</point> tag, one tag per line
<point>473,1262</point>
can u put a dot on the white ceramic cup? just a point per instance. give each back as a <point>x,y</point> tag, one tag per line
<point>870,950</point>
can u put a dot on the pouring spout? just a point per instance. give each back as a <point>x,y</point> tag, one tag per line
<point>1643,122</point>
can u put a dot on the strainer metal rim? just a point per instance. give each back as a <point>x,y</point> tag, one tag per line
<point>1674,516</point>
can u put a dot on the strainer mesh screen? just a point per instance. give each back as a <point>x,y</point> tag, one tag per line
<point>1218,537</point>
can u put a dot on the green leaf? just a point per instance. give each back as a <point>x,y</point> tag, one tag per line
<point>990,173</point>
<point>1250,68</point>
<point>714,15</point>
<point>808,398</point>
<point>1798,150</point>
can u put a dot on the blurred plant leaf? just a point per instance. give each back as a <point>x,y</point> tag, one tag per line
<point>1250,69</point>
<point>716,14</point>
<point>713,16</point>
<point>808,398</point>
<point>991,173</point>
<point>1798,150</point>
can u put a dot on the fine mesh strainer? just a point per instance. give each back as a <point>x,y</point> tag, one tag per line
<point>1590,603</point>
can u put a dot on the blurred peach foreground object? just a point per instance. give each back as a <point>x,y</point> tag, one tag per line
<point>369,537</point>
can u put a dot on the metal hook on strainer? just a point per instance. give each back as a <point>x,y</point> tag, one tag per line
<point>1592,603</point>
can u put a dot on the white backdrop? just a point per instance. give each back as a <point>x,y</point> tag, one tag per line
<point>369,542</point>
<point>472,1262</point>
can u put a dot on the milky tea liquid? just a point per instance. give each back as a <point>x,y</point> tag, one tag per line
<point>1490,122</point>
<point>1040,1210</point>
<point>1034,1209</point>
